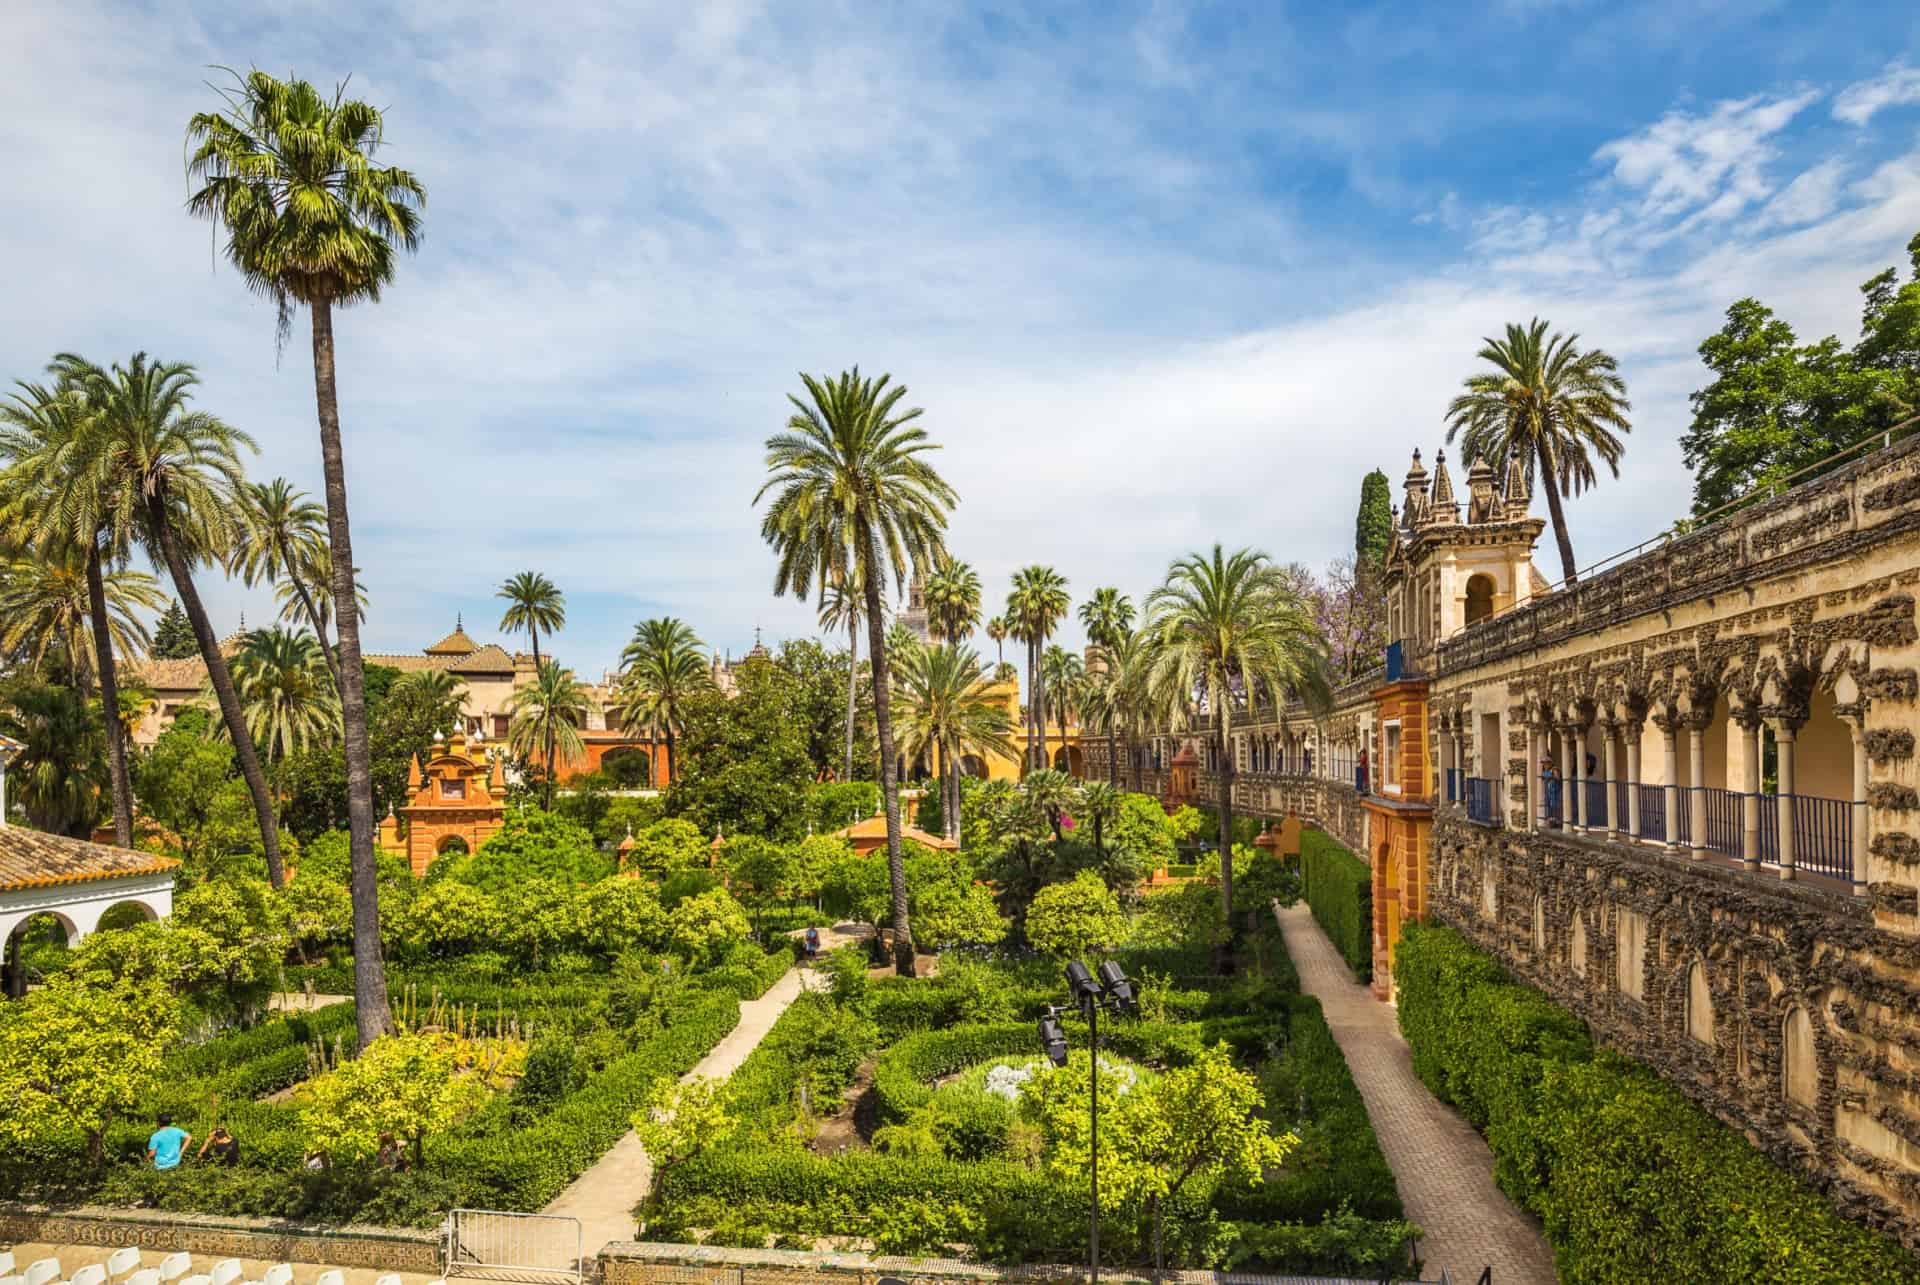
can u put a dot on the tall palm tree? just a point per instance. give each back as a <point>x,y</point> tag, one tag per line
<point>840,607</point>
<point>1106,616</point>
<point>45,612</point>
<point>1125,697</point>
<point>1037,603</point>
<point>1232,627</point>
<point>311,220</point>
<point>280,540</point>
<point>287,690</point>
<point>1066,680</point>
<point>316,580</point>
<point>953,601</point>
<point>168,476</point>
<point>56,775</point>
<point>443,690</point>
<point>948,711</point>
<point>50,504</point>
<point>997,630</point>
<point>533,604</point>
<point>853,496</point>
<point>662,668</point>
<point>550,712</point>
<point>1550,406</point>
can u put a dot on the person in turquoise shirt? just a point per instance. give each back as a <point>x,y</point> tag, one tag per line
<point>167,1143</point>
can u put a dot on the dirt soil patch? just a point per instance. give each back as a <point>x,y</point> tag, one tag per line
<point>852,1129</point>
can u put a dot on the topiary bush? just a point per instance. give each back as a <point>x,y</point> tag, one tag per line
<point>1339,888</point>
<point>1632,1181</point>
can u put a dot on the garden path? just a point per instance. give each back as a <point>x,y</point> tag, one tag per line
<point>603,1197</point>
<point>1442,1165</point>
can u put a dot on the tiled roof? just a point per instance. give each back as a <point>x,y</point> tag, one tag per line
<point>171,675</point>
<point>454,644</point>
<point>875,827</point>
<point>30,859</point>
<point>489,659</point>
<point>405,662</point>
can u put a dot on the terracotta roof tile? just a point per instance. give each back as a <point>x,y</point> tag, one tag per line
<point>405,662</point>
<point>875,826</point>
<point>30,859</point>
<point>454,644</point>
<point>489,659</point>
<point>171,675</point>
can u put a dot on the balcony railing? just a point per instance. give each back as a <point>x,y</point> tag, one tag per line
<point>1454,777</point>
<point>1593,804</point>
<point>1653,812</point>
<point>1481,796</point>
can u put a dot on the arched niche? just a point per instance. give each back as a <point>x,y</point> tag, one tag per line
<point>1799,1067</point>
<point>1699,1004</point>
<point>1577,945</point>
<point>1539,926</point>
<point>1480,589</point>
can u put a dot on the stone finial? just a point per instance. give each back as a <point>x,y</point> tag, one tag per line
<point>1482,504</point>
<point>1519,496</point>
<point>413,772</point>
<point>1415,508</point>
<point>1440,504</point>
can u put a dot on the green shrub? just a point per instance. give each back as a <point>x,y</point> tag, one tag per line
<point>1339,888</point>
<point>1566,1124</point>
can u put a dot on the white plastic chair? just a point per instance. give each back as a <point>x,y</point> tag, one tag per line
<point>174,1266</point>
<point>201,1279</point>
<point>122,1261</point>
<point>13,1280</point>
<point>225,1272</point>
<point>391,1278</point>
<point>6,1263</point>
<point>278,1274</point>
<point>91,1274</point>
<point>145,1276</point>
<point>39,1273</point>
<point>332,1276</point>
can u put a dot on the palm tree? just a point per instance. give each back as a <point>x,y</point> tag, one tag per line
<point>1100,804</point>
<point>853,497</point>
<point>315,582</point>
<point>311,219</point>
<point>1232,628</point>
<point>840,607</point>
<point>286,688</point>
<point>1106,616</point>
<point>1065,678</point>
<point>56,775</point>
<point>1549,406</point>
<point>953,601</point>
<point>948,711</point>
<point>50,503</point>
<point>533,604</point>
<point>168,476</point>
<point>549,712</point>
<point>45,611</point>
<point>997,630</point>
<point>443,690</point>
<point>662,668</point>
<point>281,538</point>
<point>1124,699</point>
<point>1037,603</point>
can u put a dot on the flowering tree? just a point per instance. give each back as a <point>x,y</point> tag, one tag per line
<point>78,1054</point>
<point>400,1085</point>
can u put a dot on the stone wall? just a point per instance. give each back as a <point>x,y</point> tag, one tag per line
<point>378,1248</point>
<point>1781,1008</point>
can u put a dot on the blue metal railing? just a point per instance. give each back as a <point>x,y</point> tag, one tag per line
<point>1593,808</point>
<point>1454,777</point>
<point>1725,820</point>
<point>1481,807</point>
<point>1653,812</point>
<point>1396,660</point>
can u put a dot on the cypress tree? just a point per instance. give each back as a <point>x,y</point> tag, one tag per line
<point>173,636</point>
<point>1373,527</point>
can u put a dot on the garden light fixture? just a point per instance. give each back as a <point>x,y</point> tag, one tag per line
<point>1089,994</point>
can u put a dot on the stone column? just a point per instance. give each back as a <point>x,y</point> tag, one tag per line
<point>1750,791</point>
<point>1607,778</point>
<point>1566,778</point>
<point>1859,734</point>
<point>1670,793</point>
<point>1632,732</point>
<point>1696,786</point>
<point>1783,732</point>
<point>1534,803</point>
<point>1577,737</point>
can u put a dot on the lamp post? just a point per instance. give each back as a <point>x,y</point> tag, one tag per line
<point>1088,995</point>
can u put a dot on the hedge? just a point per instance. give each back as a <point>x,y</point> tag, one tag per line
<point>1568,1125</point>
<point>1339,888</point>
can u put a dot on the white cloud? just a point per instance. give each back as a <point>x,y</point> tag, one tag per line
<point>1711,165</point>
<point>1859,102</point>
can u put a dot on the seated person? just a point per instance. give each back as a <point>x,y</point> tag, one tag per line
<point>224,1146</point>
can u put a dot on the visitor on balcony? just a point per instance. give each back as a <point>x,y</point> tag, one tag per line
<point>1552,780</point>
<point>1360,773</point>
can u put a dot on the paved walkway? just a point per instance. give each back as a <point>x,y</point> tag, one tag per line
<point>1442,1165</point>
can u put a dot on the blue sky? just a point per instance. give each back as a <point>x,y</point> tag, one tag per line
<point>1160,275</point>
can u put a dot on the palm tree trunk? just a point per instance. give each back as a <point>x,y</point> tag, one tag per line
<point>313,615</point>
<point>1559,516</point>
<point>1040,700</point>
<point>1224,958</point>
<point>222,682</point>
<point>110,699</point>
<point>1065,748</point>
<point>673,759</point>
<point>533,632</point>
<point>853,685</point>
<point>371,1018</point>
<point>1113,756</point>
<point>889,779</point>
<point>1033,667</point>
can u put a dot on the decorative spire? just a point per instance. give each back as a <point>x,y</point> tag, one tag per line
<point>1415,508</point>
<point>459,622</point>
<point>1441,506</point>
<point>1519,496</point>
<point>1481,504</point>
<point>413,772</point>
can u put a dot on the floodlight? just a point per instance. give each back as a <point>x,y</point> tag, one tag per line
<point>1081,985</point>
<point>1118,986</point>
<point>1053,1040</point>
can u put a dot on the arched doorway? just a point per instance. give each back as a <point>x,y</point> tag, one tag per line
<point>453,845</point>
<point>125,914</point>
<point>1479,597</point>
<point>629,767</point>
<point>36,943</point>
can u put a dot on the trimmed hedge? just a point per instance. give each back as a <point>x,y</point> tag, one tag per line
<point>1339,888</point>
<point>1632,1181</point>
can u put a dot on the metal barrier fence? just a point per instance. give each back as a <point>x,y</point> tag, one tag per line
<point>1593,807</point>
<point>1725,820</point>
<point>1653,812</point>
<point>491,1244</point>
<point>1480,801</point>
